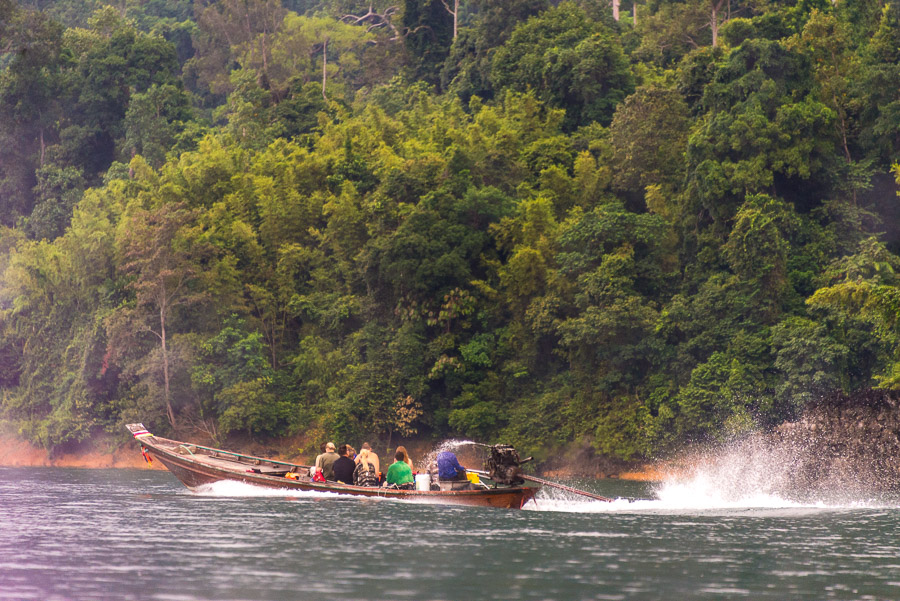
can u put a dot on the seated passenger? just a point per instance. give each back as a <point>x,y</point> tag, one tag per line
<point>399,474</point>
<point>449,467</point>
<point>365,473</point>
<point>318,465</point>
<point>328,460</point>
<point>372,457</point>
<point>406,459</point>
<point>343,467</point>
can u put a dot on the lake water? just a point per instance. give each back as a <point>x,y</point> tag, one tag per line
<point>93,535</point>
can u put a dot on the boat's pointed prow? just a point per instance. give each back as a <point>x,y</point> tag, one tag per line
<point>138,430</point>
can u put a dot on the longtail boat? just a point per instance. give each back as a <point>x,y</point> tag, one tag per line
<point>197,466</point>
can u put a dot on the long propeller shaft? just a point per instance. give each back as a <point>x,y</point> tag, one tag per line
<point>570,489</point>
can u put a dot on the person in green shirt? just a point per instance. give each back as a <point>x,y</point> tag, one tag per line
<point>400,473</point>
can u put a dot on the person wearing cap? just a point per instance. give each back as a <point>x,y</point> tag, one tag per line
<point>328,460</point>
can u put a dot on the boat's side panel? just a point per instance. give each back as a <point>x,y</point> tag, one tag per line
<point>191,477</point>
<point>195,473</point>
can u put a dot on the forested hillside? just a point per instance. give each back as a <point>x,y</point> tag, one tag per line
<point>630,226</point>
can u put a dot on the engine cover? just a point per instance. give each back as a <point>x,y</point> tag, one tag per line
<point>503,465</point>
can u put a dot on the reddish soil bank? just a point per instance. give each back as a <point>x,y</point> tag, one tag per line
<point>15,452</point>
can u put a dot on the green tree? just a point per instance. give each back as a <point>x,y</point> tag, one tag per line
<point>429,34</point>
<point>236,382</point>
<point>571,61</point>
<point>649,134</point>
<point>33,90</point>
<point>160,257</point>
<point>811,363</point>
<point>226,30</point>
<point>114,61</point>
<point>863,286</point>
<point>153,121</point>
<point>761,132</point>
<point>757,250</point>
<point>467,70</point>
<point>55,296</point>
<point>57,192</point>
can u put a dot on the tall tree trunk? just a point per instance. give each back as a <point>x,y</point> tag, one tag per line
<point>715,6</point>
<point>165,357</point>
<point>265,56</point>
<point>324,66</point>
<point>615,6</point>
<point>455,17</point>
<point>454,12</point>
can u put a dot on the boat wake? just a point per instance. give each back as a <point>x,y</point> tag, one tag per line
<point>686,498</point>
<point>230,488</point>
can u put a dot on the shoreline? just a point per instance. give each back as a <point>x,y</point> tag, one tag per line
<point>16,452</point>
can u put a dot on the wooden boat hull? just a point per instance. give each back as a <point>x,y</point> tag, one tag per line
<point>197,466</point>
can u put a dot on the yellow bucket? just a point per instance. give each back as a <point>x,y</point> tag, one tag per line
<point>473,478</point>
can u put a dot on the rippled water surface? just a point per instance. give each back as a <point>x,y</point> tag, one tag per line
<point>132,534</point>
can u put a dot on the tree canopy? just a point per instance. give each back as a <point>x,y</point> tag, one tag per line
<point>511,220</point>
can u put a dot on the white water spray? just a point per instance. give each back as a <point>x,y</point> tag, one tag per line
<point>448,445</point>
<point>755,472</point>
<point>758,471</point>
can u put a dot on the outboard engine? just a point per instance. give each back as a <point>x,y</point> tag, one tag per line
<point>503,465</point>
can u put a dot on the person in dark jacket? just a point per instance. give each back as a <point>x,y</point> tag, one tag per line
<point>344,466</point>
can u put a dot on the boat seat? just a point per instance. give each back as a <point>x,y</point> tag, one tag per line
<point>270,472</point>
<point>455,485</point>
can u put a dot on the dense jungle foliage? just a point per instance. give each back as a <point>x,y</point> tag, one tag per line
<point>630,226</point>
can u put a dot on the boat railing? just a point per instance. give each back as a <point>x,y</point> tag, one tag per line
<point>237,457</point>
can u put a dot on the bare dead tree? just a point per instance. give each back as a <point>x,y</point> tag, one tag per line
<point>383,20</point>
<point>455,13</point>
<point>715,7</point>
<point>205,426</point>
<point>375,20</point>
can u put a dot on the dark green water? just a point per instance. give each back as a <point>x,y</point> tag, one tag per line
<point>132,534</point>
